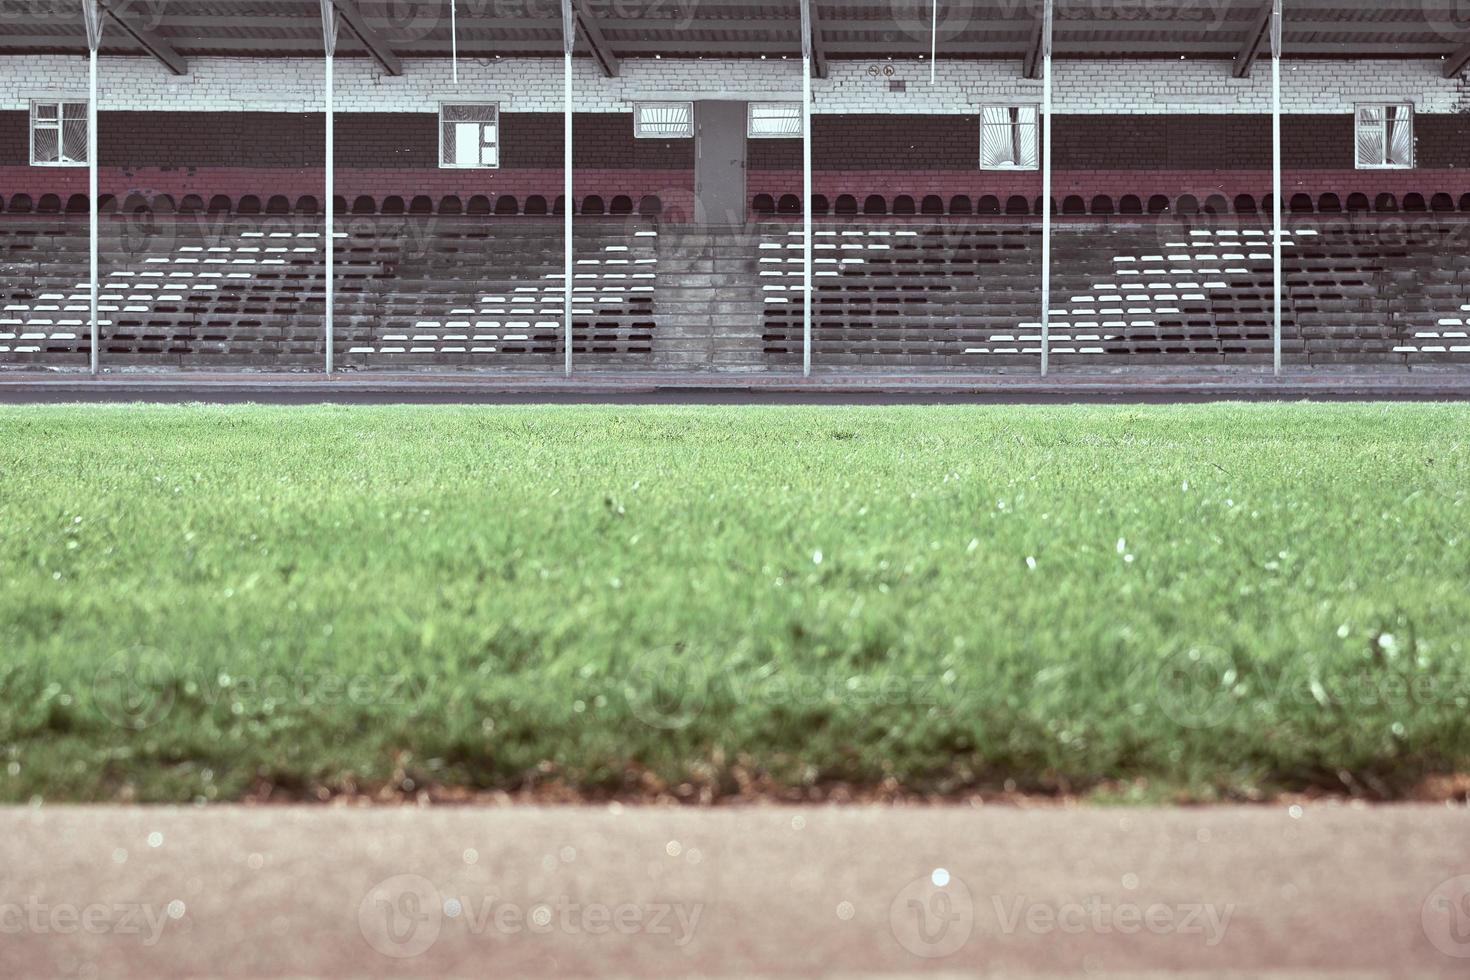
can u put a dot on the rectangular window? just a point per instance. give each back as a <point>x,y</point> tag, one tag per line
<point>59,134</point>
<point>663,120</point>
<point>774,120</point>
<point>469,135</point>
<point>1385,136</point>
<point>1008,139</point>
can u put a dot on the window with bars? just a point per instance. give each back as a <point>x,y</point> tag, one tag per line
<point>774,120</point>
<point>1385,136</point>
<point>59,134</point>
<point>469,135</point>
<point>1008,137</point>
<point>663,120</point>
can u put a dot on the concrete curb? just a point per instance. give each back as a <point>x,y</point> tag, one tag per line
<point>722,388</point>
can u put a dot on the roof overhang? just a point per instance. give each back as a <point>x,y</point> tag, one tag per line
<point>611,30</point>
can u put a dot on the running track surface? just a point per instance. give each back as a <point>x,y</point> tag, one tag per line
<point>769,891</point>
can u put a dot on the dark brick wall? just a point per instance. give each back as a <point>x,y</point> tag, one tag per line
<point>212,139</point>
<point>601,140</point>
<point>1224,141</point>
<point>849,142</point>
<point>407,141</point>
<point>875,141</point>
<point>1443,140</point>
<point>15,145</point>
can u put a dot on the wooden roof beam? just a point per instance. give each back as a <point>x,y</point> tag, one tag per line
<point>149,41</point>
<point>1255,40</point>
<point>376,46</point>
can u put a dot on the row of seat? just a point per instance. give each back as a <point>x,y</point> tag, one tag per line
<point>479,204</point>
<point>1102,204</point>
<point>948,295</point>
<point>217,295</point>
<point>886,294</point>
<point>761,205</point>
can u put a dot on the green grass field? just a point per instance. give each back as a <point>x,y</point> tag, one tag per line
<point>1198,602</point>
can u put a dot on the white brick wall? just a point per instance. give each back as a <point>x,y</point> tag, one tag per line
<point>535,84</point>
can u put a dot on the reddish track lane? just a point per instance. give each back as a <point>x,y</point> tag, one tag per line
<point>767,891</point>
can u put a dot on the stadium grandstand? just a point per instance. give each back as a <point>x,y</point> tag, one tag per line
<point>731,185</point>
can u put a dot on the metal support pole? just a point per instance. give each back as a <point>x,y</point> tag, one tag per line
<point>933,41</point>
<point>568,41</point>
<point>806,189</point>
<point>1276,229</point>
<point>92,19</point>
<point>330,230</point>
<point>1046,187</point>
<point>566,164</point>
<point>330,20</point>
<point>92,222</point>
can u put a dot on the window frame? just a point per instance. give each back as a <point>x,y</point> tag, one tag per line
<point>61,102</point>
<point>750,132</point>
<point>499,131</point>
<point>638,107</point>
<point>980,140</point>
<point>1408,104</point>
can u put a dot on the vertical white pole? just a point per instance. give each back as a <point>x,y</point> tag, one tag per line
<point>1046,188</point>
<point>566,164</point>
<point>453,42</point>
<point>92,222</point>
<point>806,189</point>
<point>331,242</point>
<point>806,217</point>
<point>933,41</point>
<point>1276,228</point>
